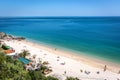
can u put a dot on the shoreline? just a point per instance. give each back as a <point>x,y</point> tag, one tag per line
<point>89,60</point>
<point>65,64</point>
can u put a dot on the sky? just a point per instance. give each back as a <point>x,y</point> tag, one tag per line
<point>59,7</point>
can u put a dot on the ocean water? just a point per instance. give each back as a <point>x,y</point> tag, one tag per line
<point>95,36</point>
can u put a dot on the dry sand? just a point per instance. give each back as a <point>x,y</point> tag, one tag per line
<point>65,63</point>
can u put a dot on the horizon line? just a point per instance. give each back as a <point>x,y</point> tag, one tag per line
<point>50,16</point>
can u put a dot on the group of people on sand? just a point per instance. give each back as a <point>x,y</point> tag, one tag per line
<point>32,66</point>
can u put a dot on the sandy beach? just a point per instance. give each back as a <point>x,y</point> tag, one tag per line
<point>65,64</point>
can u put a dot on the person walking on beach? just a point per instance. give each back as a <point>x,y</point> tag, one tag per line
<point>105,67</point>
<point>55,49</point>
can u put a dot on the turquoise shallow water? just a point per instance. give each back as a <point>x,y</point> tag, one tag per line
<point>97,36</point>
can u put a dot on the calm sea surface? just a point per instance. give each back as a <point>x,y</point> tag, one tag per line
<point>97,36</point>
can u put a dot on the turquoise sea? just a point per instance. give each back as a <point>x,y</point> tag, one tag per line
<point>95,36</point>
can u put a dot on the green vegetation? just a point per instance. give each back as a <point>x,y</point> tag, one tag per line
<point>1,49</point>
<point>24,53</point>
<point>10,69</point>
<point>13,69</point>
<point>71,78</point>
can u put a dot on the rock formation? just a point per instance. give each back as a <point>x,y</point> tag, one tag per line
<point>3,35</point>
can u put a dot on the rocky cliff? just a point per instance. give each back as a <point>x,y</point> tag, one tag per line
<point>3,35</point>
